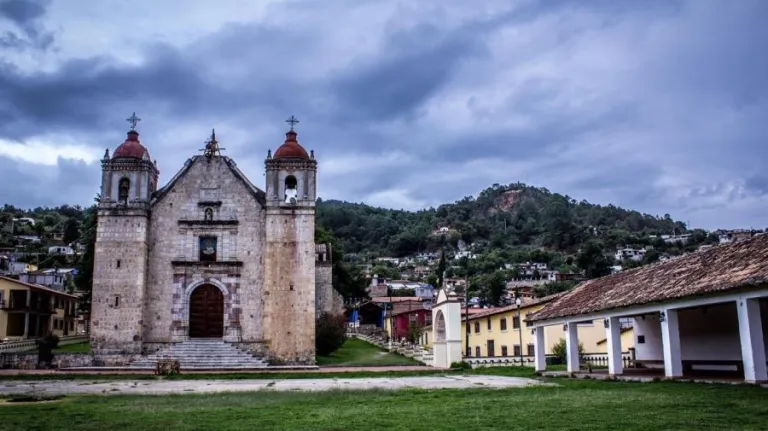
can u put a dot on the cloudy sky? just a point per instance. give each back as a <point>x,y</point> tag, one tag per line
<point>660,106</point>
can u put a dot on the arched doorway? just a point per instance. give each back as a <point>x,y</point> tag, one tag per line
<point>206,312</point>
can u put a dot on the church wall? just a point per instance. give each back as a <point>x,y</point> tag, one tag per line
<point>120,264</point>
<point>174,267</point>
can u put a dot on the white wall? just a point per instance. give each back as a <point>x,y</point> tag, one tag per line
<point>710,333</point>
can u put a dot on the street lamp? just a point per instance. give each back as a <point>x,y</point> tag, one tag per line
<point>519,302</point>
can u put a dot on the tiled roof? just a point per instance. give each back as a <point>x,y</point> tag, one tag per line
<point>386,299</point>
<point>37,287</point>
<point>499,310</point>
<point>718,269</point>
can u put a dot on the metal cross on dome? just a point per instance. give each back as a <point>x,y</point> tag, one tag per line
<point>133,120</point>
<point>292,121</point>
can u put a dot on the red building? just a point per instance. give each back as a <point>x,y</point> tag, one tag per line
<point>403,319</point>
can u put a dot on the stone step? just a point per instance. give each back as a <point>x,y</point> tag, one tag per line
<point>202,354</point>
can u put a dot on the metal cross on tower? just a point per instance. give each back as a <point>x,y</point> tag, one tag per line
<point>292,121</point>
<point>133,120</point>
<point>212,146</point>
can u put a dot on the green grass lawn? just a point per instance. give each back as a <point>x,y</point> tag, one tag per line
<point>575,404</point>
<point>73,348</point>
<point>358,353</point>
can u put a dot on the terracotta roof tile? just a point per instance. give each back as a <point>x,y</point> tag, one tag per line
<point>717,269</point>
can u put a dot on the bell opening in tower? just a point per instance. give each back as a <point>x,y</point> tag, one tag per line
<point>291,192</point>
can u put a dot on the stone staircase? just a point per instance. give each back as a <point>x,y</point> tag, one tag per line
<point>202,354</point>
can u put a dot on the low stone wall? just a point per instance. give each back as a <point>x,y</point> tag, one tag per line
<point>28,361</point>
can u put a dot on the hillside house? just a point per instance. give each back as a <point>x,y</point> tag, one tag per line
<point>61,249</point>
<point>635,254</point>
<point>701,313</point>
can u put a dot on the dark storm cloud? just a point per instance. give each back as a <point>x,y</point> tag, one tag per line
<point>28,185</point>
<point>400,83</point>
<point>670,105</point>
<point>26,15</point>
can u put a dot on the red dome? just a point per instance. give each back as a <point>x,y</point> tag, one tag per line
<point>291,149</point>
<point>131,147</point>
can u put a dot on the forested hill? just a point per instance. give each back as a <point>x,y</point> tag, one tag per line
<point>500,217</point>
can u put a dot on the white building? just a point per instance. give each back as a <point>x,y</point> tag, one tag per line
<point>699,313</point>
<point>61,249</point>
<point>636,254</point>
<point>463,254</point>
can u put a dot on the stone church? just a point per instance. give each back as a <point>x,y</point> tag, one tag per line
<point>209,256</point>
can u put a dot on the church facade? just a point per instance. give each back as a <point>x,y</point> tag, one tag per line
<point>209,255</point>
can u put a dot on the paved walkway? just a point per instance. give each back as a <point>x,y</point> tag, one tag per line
<point>210,386</point>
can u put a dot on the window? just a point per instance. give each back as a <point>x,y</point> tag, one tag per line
<point>118,263</point>
<point>469,351</point>
<point>477,351</point>
<point>503,325</point>
<point>123,189</point>
<point>517,350</point>
<point>528,323</point>
<point>489,324</point>
<point>516,322</point>
<point>503,350</point>
<point>428,319</point>
<point>116,301</point>
<point>477,327</point>
<point>490,348</point>
<point>208,249</point>
<point>641,339</point>
<point>531,350</point>
<point>208,214</point>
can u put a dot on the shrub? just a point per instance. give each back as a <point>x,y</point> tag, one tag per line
<point>461,365</point>
<point>45,346</point>
<point>330,333</point>
<point>558,349</point>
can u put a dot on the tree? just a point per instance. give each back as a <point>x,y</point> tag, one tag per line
<point>84,276</point>
<point>543,290</point>
<point>440,270</point>
<point>495,288</point>
<point>593,261</point>
<point>414,332</point>
<point>71,231</point>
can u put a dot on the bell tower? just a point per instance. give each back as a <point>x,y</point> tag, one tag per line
<point>129,177</point>
<point>289,266</point>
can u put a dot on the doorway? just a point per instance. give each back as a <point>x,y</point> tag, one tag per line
<point>206,312</point>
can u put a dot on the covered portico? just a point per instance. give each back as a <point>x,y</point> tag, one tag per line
<point>703,312</point>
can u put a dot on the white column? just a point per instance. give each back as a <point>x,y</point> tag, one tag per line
<point>539,349</point>
<point>572,346</point>
<point>752,344</point>
<point>670,340</point>
<point>613,338</point>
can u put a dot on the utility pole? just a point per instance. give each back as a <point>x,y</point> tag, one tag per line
<point>466,307</point>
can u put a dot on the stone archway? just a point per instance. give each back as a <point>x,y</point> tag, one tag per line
<point>446,315</point>
<point>206,312</point>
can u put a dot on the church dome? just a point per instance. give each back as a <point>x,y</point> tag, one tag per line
<point>131,147</point>
<point>291,149</point>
